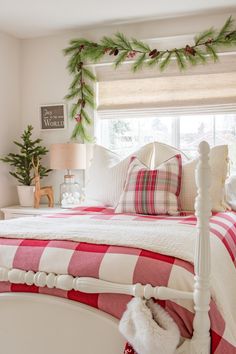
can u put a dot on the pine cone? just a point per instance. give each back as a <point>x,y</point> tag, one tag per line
<point>154,53</point>
<point>190,50</point>
<point>209,41</point>
<point>131,54</point>
<point>78,118</point>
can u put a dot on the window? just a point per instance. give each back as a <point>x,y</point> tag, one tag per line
<point>126,133</point>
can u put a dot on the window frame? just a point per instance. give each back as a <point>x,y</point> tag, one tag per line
<point>176,112</point>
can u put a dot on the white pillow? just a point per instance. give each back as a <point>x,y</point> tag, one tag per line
<point>219,168</point>
<point>164,152</point>
<point>107,173</point>
<point>230,190</point>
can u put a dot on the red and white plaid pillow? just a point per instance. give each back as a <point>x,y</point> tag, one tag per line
<point>152,191</point>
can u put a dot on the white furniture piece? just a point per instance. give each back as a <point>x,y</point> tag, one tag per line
<point>41,324</point>
<point>17,211</point>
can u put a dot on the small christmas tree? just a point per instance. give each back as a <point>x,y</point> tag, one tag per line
<point>30,150</point>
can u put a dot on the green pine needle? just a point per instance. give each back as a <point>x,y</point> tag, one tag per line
<point>165,62</point>
<point>108,42</point>
<point>75,81</point>
<point>93,53</point>
<point>89,101</point>
<point>74,109</point>
<point>226,28</point>
<point>88,74</point>
<point>122,41</point>
<point>71,49</point>
<point>73,94</point>
<point>204,36</point>
<point>80,131</point>
<point>136,44</point>
<point>80,41</point>
<point>73,63</point>
<point>180,60</point>
<point>192,59</point>
<point>86,117</point>
<point>138,64</point>
<point>88,89</point>
<point>211,51</point>
<point>120,58</point>
<point>201,56</point>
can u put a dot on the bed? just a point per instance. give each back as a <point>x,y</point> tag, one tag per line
<point>64,291</point>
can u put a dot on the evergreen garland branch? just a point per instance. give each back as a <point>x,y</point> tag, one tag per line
<point>121,49</point>
<point>120,58</point>
<point>202,37</point>
<point>138,64</point>
<point>226,28</point>
<point>181,60</point>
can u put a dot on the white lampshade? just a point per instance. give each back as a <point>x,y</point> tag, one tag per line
<point>68,156</point>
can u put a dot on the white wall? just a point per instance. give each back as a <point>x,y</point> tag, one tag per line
<point>9,111</point>
<point>44,81</point>
<point>45,78</point>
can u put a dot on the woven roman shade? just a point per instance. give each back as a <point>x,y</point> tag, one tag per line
<point>212,84</point>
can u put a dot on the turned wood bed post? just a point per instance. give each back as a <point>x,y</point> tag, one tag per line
<point>201,336</point>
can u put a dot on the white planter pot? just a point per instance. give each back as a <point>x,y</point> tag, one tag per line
<point>26,195</point>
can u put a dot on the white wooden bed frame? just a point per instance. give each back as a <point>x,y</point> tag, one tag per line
<point>42,324</point>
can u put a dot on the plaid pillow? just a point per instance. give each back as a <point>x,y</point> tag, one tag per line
<point>152,191</point>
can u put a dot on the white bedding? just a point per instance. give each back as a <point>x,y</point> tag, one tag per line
<point>164,236</point>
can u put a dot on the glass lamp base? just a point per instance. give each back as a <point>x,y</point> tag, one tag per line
<point>70,193</point>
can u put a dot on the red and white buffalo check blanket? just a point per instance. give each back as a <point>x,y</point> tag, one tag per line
<point>95,242</point>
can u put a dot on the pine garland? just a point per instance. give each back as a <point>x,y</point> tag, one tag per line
<point>120,49</point>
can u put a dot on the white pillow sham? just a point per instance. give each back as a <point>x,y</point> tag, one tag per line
<point>219,168</point>
<point>107,173</point>
<point>163,152</point>
<point>230,191</point>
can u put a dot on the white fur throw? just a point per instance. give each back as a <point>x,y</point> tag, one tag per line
<point>149,328</point>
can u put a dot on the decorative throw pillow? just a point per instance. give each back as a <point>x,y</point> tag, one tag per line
<point>219,166</point>
<point>107,173</point>
<point>218,159</point>
<point>152,191</point>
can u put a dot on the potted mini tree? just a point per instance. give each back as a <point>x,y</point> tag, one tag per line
<point>30,150</point>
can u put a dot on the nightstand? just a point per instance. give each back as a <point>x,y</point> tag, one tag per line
<point>17,211</point>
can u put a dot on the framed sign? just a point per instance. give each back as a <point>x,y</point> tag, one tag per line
<point>53,116</point>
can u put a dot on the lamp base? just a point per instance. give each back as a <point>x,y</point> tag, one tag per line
<point>70,192</point>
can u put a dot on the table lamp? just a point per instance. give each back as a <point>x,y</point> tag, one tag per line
<point>68,156</point>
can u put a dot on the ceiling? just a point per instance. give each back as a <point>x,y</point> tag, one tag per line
<point>32,18</point>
